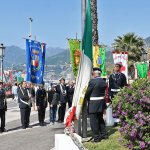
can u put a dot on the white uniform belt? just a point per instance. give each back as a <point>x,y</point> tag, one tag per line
<point>96,98</point>
<point>24,102</point>
<point>115,90</point>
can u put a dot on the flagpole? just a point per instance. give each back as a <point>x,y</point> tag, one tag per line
<point>84,109</point>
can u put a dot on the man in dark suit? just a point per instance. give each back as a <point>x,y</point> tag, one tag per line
<point>24,105</point>
<point>41,103</point>
<point>3,107</point>
<point>70,92</point>
<point>62,91</point>
<point>96,105</point>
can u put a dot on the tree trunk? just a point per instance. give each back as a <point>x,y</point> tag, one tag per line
<point>94,22</point>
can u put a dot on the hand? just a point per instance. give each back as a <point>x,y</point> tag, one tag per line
<point>59,105</point>
<point>51,105</point>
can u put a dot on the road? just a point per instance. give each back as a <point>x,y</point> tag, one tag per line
<point>33,138</point>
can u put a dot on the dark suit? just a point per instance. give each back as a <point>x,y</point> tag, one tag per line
<point>96,104</point>
<point>41,103</point>
<point>62,101</point>
<point>70,92</point>
<point>25,106</point>
<point>116,82</point>
<point>3,108</point>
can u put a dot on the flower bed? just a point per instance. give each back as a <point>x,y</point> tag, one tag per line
<point>132,106</point>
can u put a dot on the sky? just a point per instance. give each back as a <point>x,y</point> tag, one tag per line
<point>56,20</point>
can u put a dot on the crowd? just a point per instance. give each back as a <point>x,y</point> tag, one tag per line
<point>28,96</point>
<point>98,93</point>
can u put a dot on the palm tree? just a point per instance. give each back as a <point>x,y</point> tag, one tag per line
<point>94,22</point>
<point>132,44</point>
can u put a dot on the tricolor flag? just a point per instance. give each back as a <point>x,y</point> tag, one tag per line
<point>84,73</point>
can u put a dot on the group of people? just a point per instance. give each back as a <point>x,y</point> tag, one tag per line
<point>28,96</point>
<point>61,94</point>
<point>96,98</point>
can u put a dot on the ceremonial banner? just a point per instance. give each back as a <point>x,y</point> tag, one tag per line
<point>142,68</point>
<point>35,53</point>
<point>102,61</point>
<point>74,55</point>
<point>84,72</point>
<point>99,59</point>
<point>122,57</point>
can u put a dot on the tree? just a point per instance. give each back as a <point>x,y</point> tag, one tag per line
<point>132,44</point>
<point>94,22</point>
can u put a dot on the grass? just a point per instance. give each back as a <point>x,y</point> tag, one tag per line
<point>112,143</point>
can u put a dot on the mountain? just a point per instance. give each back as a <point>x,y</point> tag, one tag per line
<point>15,55</point>
<point>147,42</point>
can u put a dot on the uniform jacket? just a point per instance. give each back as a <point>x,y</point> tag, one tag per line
<point>117,81</point>
<point>3,103</point>
<point>62,96</point>
<point>96,88</point>
<point>53,97</point>
<point>23,95</point>
<point>41,96</point>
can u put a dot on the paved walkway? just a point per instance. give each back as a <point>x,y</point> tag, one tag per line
<point>34,138</point>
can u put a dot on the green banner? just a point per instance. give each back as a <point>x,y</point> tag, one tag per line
<point>74,55</point>
<point>142,69</point>
<point>102,61</point>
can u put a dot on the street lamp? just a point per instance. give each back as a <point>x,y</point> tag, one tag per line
<point>2,52</point>
<point>144,55</point>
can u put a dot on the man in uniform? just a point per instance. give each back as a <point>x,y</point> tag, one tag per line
<point>3,108</point>
<point>117,80</point>
<point>41,103</point>
<point>24,104</point>
<point>96,105</point>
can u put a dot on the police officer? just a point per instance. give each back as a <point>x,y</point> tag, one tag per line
<point>41,103</point>
<point>96,105</point>
<point>24,105</point>
<point>117,80</point>
<point>3,108</point>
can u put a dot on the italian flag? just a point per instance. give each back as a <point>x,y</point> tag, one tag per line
<point>84,73</point>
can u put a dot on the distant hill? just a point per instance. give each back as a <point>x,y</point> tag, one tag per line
<point>147,42</point>
<point>17,56</point>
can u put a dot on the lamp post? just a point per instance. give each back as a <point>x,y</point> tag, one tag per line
<point>2,50</point>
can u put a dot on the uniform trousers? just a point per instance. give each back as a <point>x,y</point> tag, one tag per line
<point>2,116</point>
<point>41,114</point>
<point>98,126</point>
<point>25,116</point>
<point>61,112</point>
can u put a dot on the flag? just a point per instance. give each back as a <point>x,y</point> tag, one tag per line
<point>96,55</point>
<point>35,54</point>
<point>102,61</point>
<point>75,53</point>
<point>84,73</point>
<point>142,68</point>
<point>122,57</point>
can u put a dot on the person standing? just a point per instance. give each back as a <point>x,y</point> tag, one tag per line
<point>41,103</point>
<point>24,104</point>
<point>32,92</point>
<point>95,96</point>
<point>117,81</point>
<point>70,92</point>
<point>3,108</point>
<point>14,92</point>
<point>53,98</point>
<point>62,91</point>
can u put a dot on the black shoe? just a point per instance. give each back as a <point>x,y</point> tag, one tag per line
<point>3,130</point>
<point>115,124</point>
<point>96,140</point>
<point>23,127</point>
